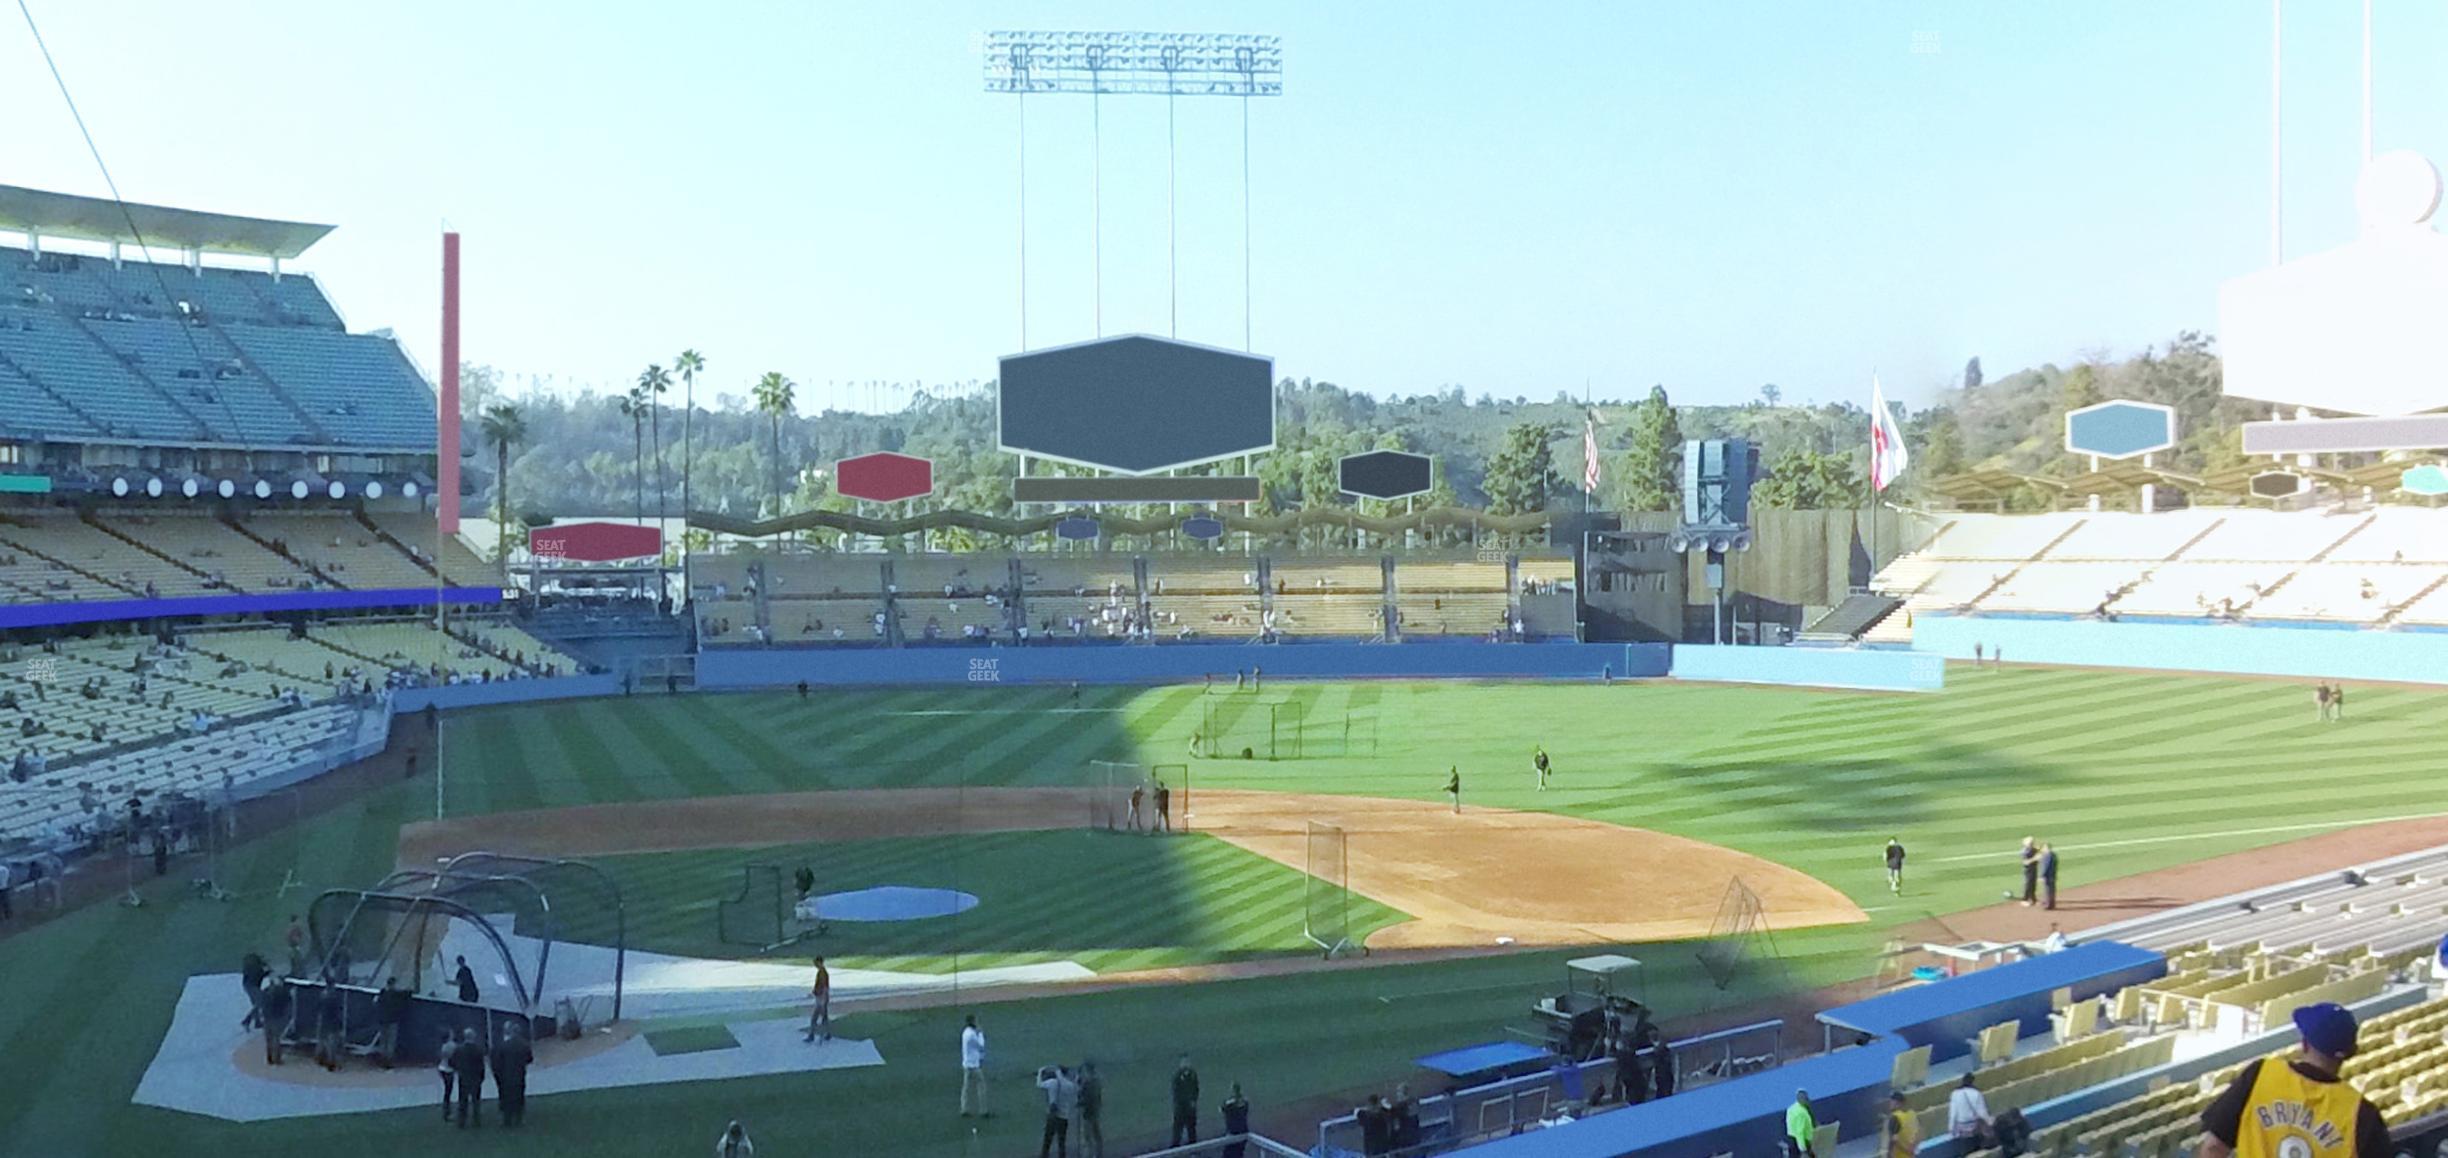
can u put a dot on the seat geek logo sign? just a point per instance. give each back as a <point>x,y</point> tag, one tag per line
<point>984,671</point>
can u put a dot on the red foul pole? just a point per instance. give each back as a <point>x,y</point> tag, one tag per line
<point>446,447</point>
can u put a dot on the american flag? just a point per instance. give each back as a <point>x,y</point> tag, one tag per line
<point>1589,453</point>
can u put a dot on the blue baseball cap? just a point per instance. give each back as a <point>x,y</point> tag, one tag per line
<point>2327,1027</point>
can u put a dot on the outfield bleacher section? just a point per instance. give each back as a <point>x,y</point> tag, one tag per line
<point>2374,568</point>
<point>1333,598</point>
<point>751,597</point>
<point>1452,597</point>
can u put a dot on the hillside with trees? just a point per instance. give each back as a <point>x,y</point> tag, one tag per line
<point>753,453</point>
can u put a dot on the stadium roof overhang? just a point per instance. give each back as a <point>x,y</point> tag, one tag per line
<point>1974,485</point>
<point>2119,477</point>
<point>49,214</point>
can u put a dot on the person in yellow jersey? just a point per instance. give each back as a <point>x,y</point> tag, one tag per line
<point>1903,1128</point>
<point>2298,1107</point>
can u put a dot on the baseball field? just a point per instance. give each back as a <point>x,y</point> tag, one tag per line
<point>1662,792</point>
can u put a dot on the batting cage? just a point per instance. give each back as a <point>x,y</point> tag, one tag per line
<point>1109,784</point>
<point>1326,895</point>
<point>1250,728</point>
<point>1123,796</point>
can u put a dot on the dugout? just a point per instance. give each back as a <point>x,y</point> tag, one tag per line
<point>503,913</point>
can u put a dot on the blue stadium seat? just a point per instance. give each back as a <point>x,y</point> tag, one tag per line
<point>235,404</point>
<point>357,386</point>
<point>25,410</point>
<point>52,348</point>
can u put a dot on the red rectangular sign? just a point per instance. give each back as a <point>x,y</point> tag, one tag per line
<point>595,542</point>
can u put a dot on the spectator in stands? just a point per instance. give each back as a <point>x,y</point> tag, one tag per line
<point>468,1065</point>
<point>2055,942</point>
<point>2248,1118</point>
<point>1901,1128</point>
<point>1185,1079</point>
<point>1801,1126</point>
<point>734,1143</point>
<point>510,1061</point>
<point>973,1069</point>
<point>1062,1105</point>
<point>1968,1114</point>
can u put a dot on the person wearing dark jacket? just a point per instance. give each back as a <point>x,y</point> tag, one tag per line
<point>1091,1110</point>
<point>1376,1127</point>
<point>251,974</point>
<point>465,978</point>
<point>1631,1069</point>
<point>1661,1064</point>
<point>1185,1103</point>
<point>390,1010</point>
<point>1403,1117</point>
<point>468,1065</point>
<point>1236,1121</point>
<point>273,1011</point>
<point>510,1061</point>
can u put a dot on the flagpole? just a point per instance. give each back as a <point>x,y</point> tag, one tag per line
<point>1877,403</point>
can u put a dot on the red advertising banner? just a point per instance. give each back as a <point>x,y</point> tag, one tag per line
<point>595,542</point>
<point>884,477</point>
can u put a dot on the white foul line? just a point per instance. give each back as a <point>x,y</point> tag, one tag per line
<point>2211,835</point>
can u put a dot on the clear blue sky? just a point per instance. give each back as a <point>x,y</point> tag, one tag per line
<point>1513,198</point>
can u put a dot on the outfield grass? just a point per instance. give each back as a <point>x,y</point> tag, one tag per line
<point>1108,901</point>
<point>2152,770</point>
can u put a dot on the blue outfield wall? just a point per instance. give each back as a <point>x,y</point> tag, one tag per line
<point>2299,652</point>
<point>537,691</point>
<point>1820,667</point>
<point>783,667</point>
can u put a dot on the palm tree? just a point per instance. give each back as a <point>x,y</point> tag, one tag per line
<point>633,408</point>
<point>504,427</point>
<point>653,384</point>
<point>687,365</point>
<point>775,397</point>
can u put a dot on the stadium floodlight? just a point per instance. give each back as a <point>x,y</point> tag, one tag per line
<point>1166,64</point>
<point>1148,63</point>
